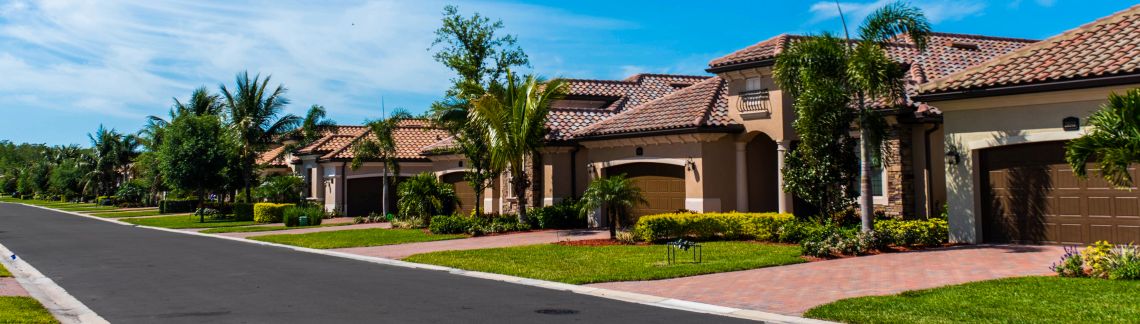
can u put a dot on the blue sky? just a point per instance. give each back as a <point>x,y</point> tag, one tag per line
<point>67,66</point>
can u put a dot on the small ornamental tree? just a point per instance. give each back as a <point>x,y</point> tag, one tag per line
<point>1114,141</point>
<point>617,194</point>
<point>195,155</point>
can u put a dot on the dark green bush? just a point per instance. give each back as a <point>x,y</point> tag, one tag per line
<point>243,211</point>
<point>291,215</point>
<point>174,206</point>
<point>453,224</point>
<point>564,214</point>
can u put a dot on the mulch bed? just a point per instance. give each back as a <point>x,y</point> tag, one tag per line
<point>889,249</point>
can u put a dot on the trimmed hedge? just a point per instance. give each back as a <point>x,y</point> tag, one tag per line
<point>454,224</point>
<point>930,232</point>
<point>729,226</point>
<point>565,214</point>
<point>269,212</point>
<point>174,206</point>
<point>243,211</point>
<point>292,215</point>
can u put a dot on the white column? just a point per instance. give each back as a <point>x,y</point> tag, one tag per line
<point>741,177</point>
<point>784,198</point>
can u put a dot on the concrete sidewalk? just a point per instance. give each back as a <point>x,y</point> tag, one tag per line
<point>483,242</point>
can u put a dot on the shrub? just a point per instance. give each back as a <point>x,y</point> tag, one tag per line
<point>269,212</point>
<point>1124,262</point>
<point>626,237</point>
<point>106,200</point>
<point>222,207</point>
<point>243,211</point>
<point>291,215</point>
<point>450,224</point>
<point>564,214</point>
<point>280,188</point>
<point>930,232</point>
<point>173,206</point>
<point>757,226</point>
<point>423,196</point>
<point>1071,264</point>
<point>1096,258</point>
<point>842,243</point>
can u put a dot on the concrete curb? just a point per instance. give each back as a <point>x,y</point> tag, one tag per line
<point>61,304</point>
<point>663,302</point>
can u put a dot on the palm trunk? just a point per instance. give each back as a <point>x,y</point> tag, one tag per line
<point>611,217</point>
<point>201,206</point>
<point>866,208</point>
<point>384,191</point>
<point>519,182</point>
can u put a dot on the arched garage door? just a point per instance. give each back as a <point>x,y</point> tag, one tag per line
<point>1031,195</point>
<point>662,184</point>
<point>463,191</point>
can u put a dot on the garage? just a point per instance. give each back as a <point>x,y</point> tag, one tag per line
<point>463,191</point>
<point>1030,195</point>
<point>662,184</point>
<point>365,196</point>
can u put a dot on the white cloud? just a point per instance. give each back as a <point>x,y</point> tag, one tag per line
<point>128,58</point>
<point>936,10</point>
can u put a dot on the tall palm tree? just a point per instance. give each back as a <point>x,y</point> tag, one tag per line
<point>616,194</point>
<point>515,116</point>
<point>113,153</point>
<point>313,123</point>
<point>873,76</point>
<point>381,145</point>
<point>1114,141</point>
<point>255,117</point>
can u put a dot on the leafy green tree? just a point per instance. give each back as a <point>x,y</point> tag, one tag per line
<point>423,196</point>
<point>515,116</point>
<point>256,119</point>
<point>822,73</point>
<point>470,47</point>
<point>380,144</point>
<point>1113,141</point>
<point>617,194</point>
<point>195,155</point>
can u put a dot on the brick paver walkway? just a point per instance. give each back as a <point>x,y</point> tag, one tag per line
<point>9,287</point>
<point>308,230</point>
<point>482,242</point>
<point>793,289</point>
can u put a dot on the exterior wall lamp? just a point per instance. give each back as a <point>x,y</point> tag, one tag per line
<point>953,158</point>
<point>591,168</point>
<point>690,165</point>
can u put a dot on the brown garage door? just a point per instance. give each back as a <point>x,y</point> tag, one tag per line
<point>463,191</point>
<point>662,184</point>
<point>1032,196</point>
<point>365,196</point>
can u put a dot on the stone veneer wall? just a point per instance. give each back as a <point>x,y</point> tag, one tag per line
<point>899,165</point>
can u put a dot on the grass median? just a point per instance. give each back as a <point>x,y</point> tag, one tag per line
<point>355,238</point>
<point>1014,300</point>
<point>248,229</point>
<point>184,221</point>
<point>117,214</point>
<point>591,264</point>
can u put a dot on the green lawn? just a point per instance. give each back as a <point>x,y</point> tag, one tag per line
<point>355,238</point>
<point>184,221</point>
<point>246,229</point>
<point>115,214</point>
<point>590,264</point>
<point>23,310</point>
<point>4,272</point>
<point>1015,300</point>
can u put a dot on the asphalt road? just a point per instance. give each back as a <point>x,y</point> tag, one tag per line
<point>137,275</point>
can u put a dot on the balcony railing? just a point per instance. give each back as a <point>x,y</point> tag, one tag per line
<point>754,102</point>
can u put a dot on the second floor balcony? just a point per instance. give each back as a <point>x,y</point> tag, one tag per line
<point>754,104</point>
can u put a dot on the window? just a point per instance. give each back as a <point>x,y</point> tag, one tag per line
<point>753,84</point>
<point>878,181</point>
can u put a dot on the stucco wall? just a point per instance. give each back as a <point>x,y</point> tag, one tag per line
<point>975,124</point>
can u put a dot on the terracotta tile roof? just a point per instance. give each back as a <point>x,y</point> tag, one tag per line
<point>411,138</point>
<point>442,146</point>
<point>1106,47</point>
<point>564,122</point>
<point>332,139</point>
<point>765,50</point>
<point>632,91</point>
<point>274,157</point>
<point>702,105</point>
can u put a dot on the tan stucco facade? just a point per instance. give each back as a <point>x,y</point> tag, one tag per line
<point>976,124</point>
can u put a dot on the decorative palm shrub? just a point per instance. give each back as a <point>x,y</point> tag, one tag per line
<point>423,196</point>
<point>617,194</point>
<point>291,215</point>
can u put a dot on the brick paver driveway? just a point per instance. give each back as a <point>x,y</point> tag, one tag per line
<point>793,289</point>
<point>399,251</point>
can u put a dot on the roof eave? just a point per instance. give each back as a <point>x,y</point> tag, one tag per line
<point>740,66</point>
<point>1070,84</point>
<point>672,131</point>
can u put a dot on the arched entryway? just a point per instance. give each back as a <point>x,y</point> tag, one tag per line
<point>763,174</point>
<point>662,184</point>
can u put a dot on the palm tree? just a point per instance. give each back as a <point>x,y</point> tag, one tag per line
<point>1114,141</point>
<point>616,194</point>
<point>873,75</point>
<point>254,117</point>
<point>313,123</point>
<point>381,146</point>
<point>515,116</point>
<point>423,196</point>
